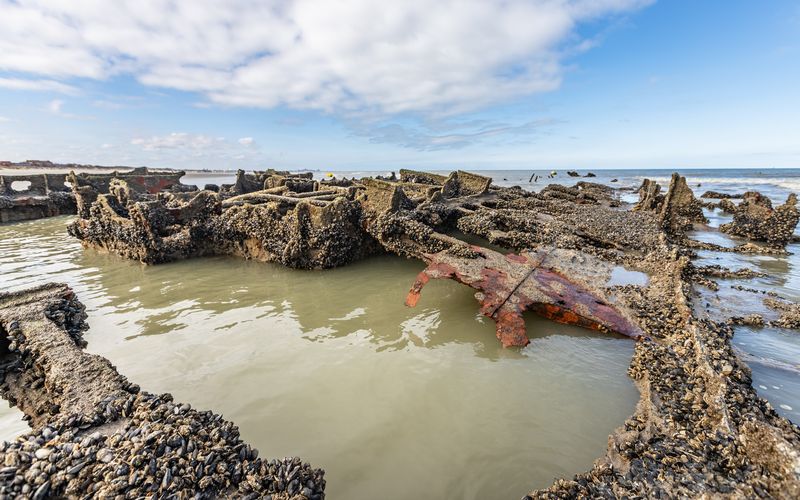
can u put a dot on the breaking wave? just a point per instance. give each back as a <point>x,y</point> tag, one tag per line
<point>739,184</point>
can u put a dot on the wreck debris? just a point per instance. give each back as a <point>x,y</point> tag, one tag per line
<point>699,428</point>
<point>789,313</point>
<point>297,232</point>
<point>45,196</point>
<point>48,195</point>
<point>680,208</point>
<point>718,271</point>
<point>462,183</point>
<point>256,181</point>
<point>139,180</point>
<point>124,186</point>
<point>756,320</point>
<point>414,176</point>
<point>727,206</point>
<point>677,210</point>
<point>96,434</point>
<point>320,227</point>
<point>510,284</point>
<point>523,223</point>
<point>716,195</point>
<point>650,197</point>
<point>756,220</point>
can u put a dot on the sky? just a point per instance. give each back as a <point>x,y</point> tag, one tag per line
<point>365,85</point>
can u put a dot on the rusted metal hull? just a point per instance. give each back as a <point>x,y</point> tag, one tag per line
<point>510,284</point>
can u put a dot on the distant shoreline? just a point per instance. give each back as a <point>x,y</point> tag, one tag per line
<point>48,167</point>
<point>40,166</point>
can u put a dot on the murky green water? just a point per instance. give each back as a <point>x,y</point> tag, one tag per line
<point>393,402</point>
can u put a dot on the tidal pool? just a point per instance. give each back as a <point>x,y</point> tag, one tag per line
<point>330,366</point>
<point>771,353</point>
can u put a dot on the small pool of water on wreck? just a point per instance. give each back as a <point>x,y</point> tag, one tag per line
<point>331,366</point>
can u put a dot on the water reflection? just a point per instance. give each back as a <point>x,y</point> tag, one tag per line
<point>621,276</point>
<point>393,402</point>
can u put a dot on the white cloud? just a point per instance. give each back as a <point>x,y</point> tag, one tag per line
<point>179,140</point>
<point>28,84</point>
<point>351,56</point>
<point>55,106</point>
<point>451,136</point>
<point>4,119</point>
<point>246,141</point>
<point>107,104</point>
<point>195,145</point>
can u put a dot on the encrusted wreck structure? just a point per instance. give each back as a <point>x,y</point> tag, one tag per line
<point>754,218</point>
<point>27,197</point>
<point>699,428</point>
<point>305,229</point>
<point>306,224</point>
<point>677,210</point>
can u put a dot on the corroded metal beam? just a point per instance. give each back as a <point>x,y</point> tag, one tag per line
<point>510,284</point>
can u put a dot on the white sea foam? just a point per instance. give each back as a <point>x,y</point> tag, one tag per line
<point>788,183</point>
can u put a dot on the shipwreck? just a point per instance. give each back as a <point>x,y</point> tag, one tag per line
<point>28,197</point>
<point>699,428</point>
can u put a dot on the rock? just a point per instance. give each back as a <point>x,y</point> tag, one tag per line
<point>677,210</point>
<point>105,455</point>
<point>727,206</point>
<point>756,220</point>
<point>719,196</point>
<point>649,196</point>
<point>680,208</point>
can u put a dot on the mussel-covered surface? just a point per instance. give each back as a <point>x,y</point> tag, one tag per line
<point>95,433</point>
<point>331,367</point>
<point>700,427</point>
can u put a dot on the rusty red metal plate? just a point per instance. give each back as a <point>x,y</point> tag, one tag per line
<point>508,285</point>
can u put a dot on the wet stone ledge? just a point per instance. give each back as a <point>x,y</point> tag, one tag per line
<point>96,434</point>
